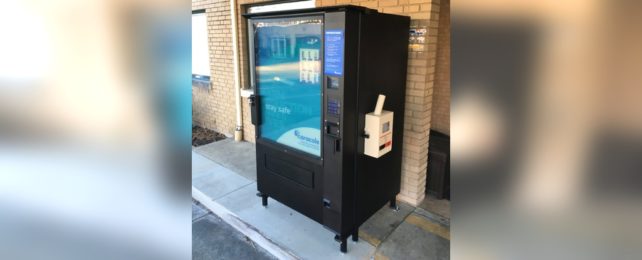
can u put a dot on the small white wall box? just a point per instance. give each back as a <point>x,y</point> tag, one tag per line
<point>378,140</point>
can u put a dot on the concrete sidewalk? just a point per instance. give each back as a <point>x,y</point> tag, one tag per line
<point>225,172</point>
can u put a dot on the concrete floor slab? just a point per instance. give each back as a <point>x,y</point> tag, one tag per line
<point>212,168</point>
<point>439,207</point>
<point>383,222</point>
<point>212,238</point>
<point>200,164</point>
<point>239,157</point>
<point>433,217</point>
<point>290,229</point>
<point>243,199</point>
<point>417,239</point>
<point>218,181</point>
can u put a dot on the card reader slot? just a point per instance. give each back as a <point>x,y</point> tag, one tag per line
<point>332,129</point>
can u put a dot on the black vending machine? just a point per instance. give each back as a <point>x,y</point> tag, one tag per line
<point>328,107</point>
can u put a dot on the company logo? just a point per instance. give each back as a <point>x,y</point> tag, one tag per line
<point>301,137</point>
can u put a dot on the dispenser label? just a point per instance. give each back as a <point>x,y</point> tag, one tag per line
<point>333,61</point>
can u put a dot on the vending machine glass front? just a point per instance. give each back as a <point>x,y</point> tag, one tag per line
<point>288,77</point>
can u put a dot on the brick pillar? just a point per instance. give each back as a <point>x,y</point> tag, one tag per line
<point>419,97</point>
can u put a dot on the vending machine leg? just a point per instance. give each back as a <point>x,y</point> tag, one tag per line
<point>355,234</point>
<point>393,204</point>
<point>343,241</point>
<point>264,198</point>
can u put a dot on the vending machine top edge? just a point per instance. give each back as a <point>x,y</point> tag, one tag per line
<point>328,109</point>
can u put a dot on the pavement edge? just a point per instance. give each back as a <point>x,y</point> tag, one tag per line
<point>238,224</point>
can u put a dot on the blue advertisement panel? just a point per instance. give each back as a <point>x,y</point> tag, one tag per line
<point>288,79</point>
<point>334,52</point>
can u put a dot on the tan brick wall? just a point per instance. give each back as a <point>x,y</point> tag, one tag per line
<point>214,108</point>
<point>441,95</point>
<point>420,81</point>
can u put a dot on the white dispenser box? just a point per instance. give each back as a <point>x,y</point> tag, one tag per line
<point>378,140</point>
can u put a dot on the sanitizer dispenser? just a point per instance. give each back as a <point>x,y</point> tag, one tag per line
<point>378,130</point>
